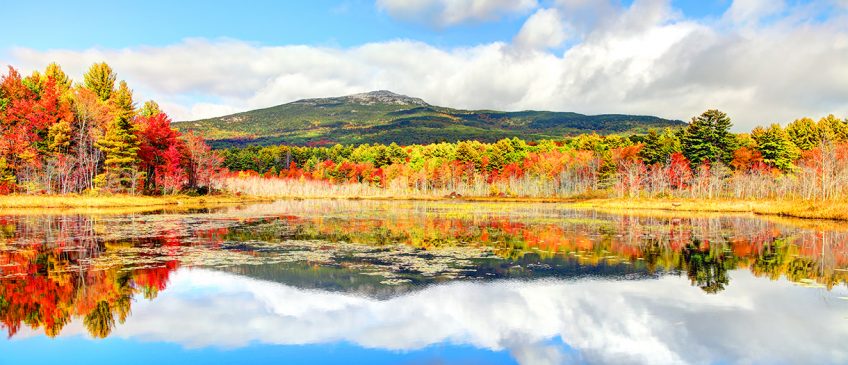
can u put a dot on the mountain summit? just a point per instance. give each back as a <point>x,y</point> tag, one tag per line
<point>383,116</point>
<point>369,98</point>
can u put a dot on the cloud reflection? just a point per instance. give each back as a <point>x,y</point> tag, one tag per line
<point>652,321</point>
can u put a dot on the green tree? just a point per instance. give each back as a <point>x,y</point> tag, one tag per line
<point>589,142</point>
<point>776,147</point>
<point>708,138</point>
<point>658,147</point>
<point>120,144</point>
<point>150,109</point>
<point>100,321</point>
<point>833,129</point>
<point>468,151</point>
<point>708,270</point>
<point>745,140</point>
<point>101,79</point>
<point>804,133</point>
<point>59,137</point>
<point>122,101</point>
<point>62,80</point>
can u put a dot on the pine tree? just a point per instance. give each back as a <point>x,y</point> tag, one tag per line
<point>804,133</point>
<point>61,78</point>
<point>776,147</point>
<point>101,79</point>
<point>120,144</point>
<point>833,129</point>
<point>708,138</point>
<point>651,152</point>
<point>659,147</point>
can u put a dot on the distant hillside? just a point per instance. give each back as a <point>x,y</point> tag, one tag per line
<point>386,117</point>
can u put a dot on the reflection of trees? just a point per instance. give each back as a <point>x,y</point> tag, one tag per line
<point>46,277</point>
<point>100,321</point>
<point>705,248</point>
<point>706,269</point>
<point>770,259</point>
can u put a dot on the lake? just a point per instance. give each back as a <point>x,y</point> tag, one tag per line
<point>326,281</point>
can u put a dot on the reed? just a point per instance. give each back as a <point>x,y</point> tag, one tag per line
<point>104,201</point>
<point>536,191</point>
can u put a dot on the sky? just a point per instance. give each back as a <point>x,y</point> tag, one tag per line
<point>761,61</point>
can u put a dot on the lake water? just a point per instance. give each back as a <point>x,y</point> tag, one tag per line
<point>316,282</point>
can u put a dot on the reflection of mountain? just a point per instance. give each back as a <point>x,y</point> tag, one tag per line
<point>340,278</point>
<point>703,249</point>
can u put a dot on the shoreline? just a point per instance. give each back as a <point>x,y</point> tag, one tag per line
<point>829,210</point>
<point>802,209</point>
<point>119,201</point>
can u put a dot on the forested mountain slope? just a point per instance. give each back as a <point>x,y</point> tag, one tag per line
<point>386,117</point>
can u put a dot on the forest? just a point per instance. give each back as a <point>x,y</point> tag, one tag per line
<point>805,160</point>
<point>60,137</point>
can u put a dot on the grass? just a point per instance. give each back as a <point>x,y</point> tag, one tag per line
<point>832,210</point>
<point>113,201</point>
<point>835,210</point>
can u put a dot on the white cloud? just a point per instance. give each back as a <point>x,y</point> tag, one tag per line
<point>544,29</point>
<point>452,12</point>
<point>642,59</point>
<point>745,11</point>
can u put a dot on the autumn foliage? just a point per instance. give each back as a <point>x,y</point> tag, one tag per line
<point>590,165</point>
<point>56,137</point>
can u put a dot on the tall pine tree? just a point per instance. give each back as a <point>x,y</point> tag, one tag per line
<point>708,138</point>
<point>120,144</point>
<point>804,133</point>
<point>776,147</point>
<point>101,79</point>
<point>833,129</point>
<point>659,147</point>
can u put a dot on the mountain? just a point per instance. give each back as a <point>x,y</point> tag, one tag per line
<point>385,117</point>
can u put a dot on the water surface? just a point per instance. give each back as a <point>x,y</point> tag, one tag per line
<point>420,282</point>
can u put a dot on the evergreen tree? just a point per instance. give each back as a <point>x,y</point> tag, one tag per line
<point>468,151</point>
<point>659,147</point>
<point>120,144</point>
<point>651,152</point>
<point>59,137</point>
<point>833,129</point>
<point>776,147</point>
<point>804,133</point>
<point>101,79</point>
<point>62,81</point>
<point>708,138</point>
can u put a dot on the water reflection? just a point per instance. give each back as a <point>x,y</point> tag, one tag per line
<point>345,257</point>
<point>537,322</point>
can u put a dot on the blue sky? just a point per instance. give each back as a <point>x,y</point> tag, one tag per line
<point>345,23</point>
<point>762,61</point>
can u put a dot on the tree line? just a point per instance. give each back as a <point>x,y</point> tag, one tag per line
<point>60,136</point>
<point>806,159</point>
